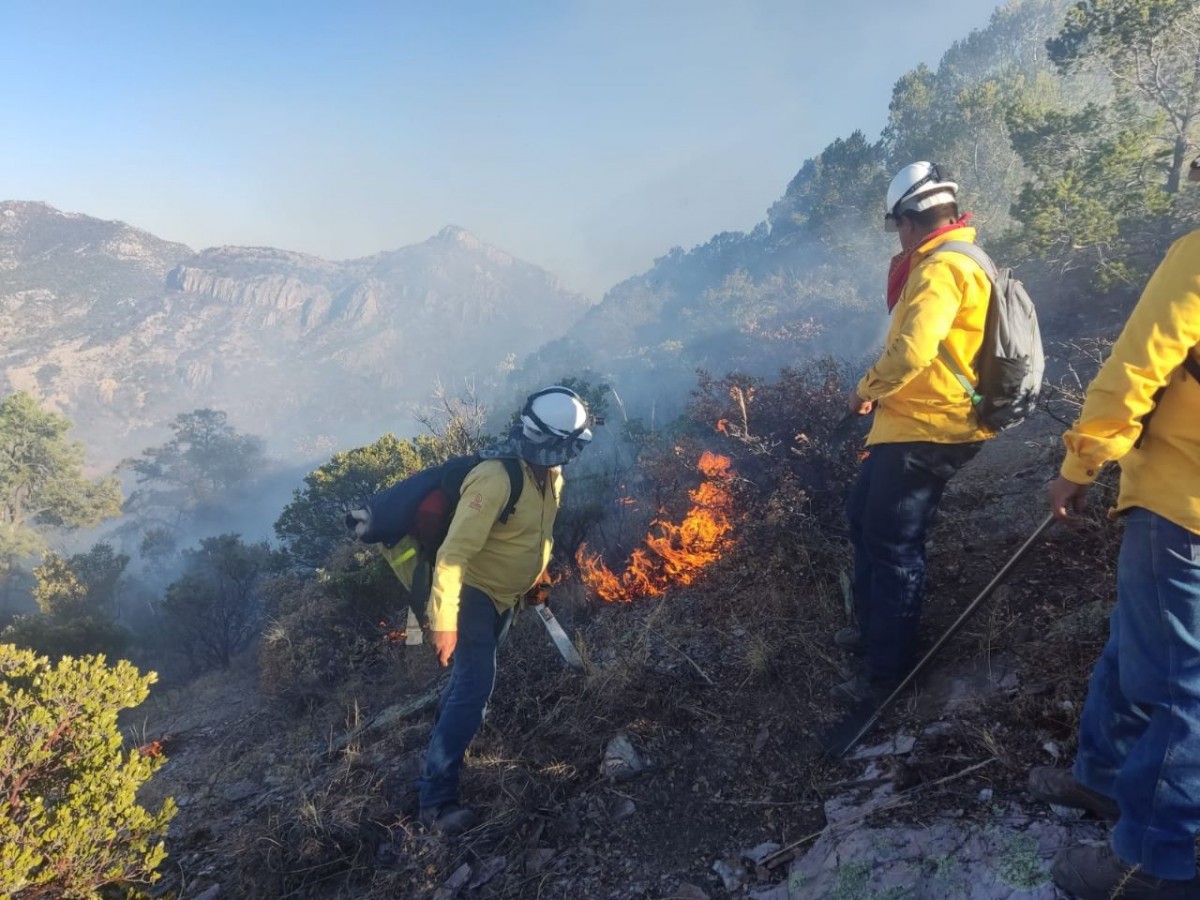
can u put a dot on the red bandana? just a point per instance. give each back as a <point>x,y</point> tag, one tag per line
<point>901,265</point>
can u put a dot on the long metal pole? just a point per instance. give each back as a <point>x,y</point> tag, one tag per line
<point>942,641</point>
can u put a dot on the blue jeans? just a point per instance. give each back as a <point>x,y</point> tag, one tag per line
<point>461,708</point>
<point>889,510</point>
<point>1139,738</point>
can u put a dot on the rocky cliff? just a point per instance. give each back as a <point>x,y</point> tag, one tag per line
<point>120,330</point>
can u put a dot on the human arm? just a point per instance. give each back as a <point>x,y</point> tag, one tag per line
<point>927,320</point>
<point>1163,328</point>
<point>484,494</point>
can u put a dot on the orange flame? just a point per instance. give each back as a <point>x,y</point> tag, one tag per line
<point>154,749</point>
<point>677,554</point>
<point>392,635</point>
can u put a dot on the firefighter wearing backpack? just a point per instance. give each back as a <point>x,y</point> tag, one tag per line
<point>482,570</point>
<point>1138,760</point>
<point>925,426</point>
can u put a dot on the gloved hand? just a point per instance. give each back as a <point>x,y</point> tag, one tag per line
<point>538,594</point>
<point>358,521</point>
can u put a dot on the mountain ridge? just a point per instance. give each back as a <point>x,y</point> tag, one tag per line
<point>121,330</point>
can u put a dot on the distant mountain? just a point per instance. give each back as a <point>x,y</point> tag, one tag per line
<point>120,330</point>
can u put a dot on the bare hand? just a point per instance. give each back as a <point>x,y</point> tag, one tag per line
<point>858,405</point>
<point>444,643</point>
<point>1067,500</point>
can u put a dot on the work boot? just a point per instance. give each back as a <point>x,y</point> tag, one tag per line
<point>1096,873</point>
<point>449,818</point>
<point>1058,786</point>
<point>850,640</point>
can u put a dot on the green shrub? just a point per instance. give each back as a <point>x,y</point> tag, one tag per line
<point>321,630</point>
<point>54,637</point>
<point>70,823</point>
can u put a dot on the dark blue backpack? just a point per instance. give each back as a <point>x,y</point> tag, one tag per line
<point>422,505</point>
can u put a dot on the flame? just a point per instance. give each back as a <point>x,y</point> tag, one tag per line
<point>392,635</point>
<point>676,554</point>
<point>154,749</point>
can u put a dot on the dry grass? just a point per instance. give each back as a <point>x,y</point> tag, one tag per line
<point>721,687</point>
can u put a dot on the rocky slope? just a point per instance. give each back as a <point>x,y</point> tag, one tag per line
<point>120,330</point>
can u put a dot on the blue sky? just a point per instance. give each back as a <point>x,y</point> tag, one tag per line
<point>587,137</point>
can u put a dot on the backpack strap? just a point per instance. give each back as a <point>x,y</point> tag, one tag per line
<point>457,469</point>
<point>516,484</point>
<point>973,252</point>
<point>976,254</point>
<point>957,372</point>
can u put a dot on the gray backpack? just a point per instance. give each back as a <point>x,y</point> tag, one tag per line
<point>1010,362</point>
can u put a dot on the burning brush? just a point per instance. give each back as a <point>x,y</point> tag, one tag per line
<point>673,554</point>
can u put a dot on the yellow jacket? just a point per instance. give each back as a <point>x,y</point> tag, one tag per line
<point>1163,475</point>
<point>918,398</point>
<point>502,560</point>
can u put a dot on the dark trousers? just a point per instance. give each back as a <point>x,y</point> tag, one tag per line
<point>890,509</point>
<point>1139,738</point>
<point>463,702</point>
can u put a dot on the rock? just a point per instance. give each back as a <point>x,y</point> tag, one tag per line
<point>687,891</point>
<point>1053,749</point>
<point>958,859</point>
<point>537,860</point>
<point>966,684</point>
<point>897,745</point>
<point>732,874</point>
<point>778,892</point>
<point>240,790</point>
<point>760,740</point>
<point>858,802</point>
<point>455,883</point>
<point>1069,813</point>
<point>985,795</point>
<point>757,854</point>
<point>621,808</point>
<point>487,872</point>
<point>621,760</point>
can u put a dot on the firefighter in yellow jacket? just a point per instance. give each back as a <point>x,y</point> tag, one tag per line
<point>1139,736</point>
<point>483,569</point>
<point>925,428</point>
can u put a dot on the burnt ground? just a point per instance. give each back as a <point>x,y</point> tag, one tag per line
<point>722,691</point>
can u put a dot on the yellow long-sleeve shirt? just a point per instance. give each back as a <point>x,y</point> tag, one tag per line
<point>1163,474</point>
<point>504,560</point>
<point>918,397</point>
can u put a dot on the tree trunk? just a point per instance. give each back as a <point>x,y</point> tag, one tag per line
<point>1175,177</point>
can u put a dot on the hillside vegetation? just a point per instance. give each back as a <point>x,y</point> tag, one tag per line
<point>683,760</point>
<point>1069,127</point>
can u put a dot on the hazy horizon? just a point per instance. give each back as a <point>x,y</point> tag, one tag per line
<point>586,138</point>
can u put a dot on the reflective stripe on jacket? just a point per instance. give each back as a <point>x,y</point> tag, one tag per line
<point>1163,474</point>
<point>917,396</point>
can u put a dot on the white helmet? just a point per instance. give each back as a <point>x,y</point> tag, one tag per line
<point>555,414</point>
<point>916,187</point>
